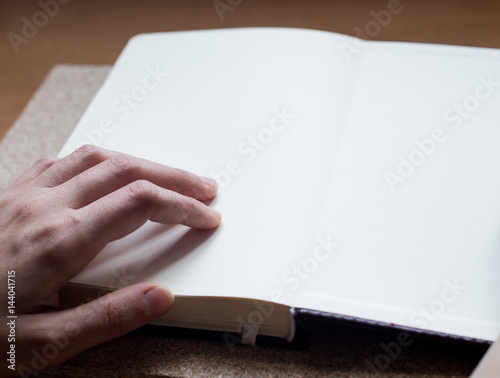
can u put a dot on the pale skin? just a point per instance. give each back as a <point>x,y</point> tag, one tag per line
<point>61,213</point>
<point>58,216</point>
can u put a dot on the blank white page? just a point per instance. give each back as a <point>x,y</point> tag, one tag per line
<point>423,251</point>
<point>224,87</point>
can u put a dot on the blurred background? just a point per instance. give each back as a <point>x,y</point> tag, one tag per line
<point>38,34</point>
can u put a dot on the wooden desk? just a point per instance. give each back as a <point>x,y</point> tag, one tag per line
<point>95,31</point>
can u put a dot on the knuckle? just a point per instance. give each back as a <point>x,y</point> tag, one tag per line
<point>46,161</point>
<point>182,174</point>
<point>112,316</point>
<point>55,241</point>
<point>190,205</point>
<point>50,237</point>
<point>187,182</point>
<point>185,177</point>
<point>90,152</point>
<point>189,209</point>
<point>120,164</point>
<point>142,192</point>
<point>26,209</point>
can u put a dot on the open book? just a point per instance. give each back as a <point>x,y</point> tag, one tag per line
<point>358,180</point>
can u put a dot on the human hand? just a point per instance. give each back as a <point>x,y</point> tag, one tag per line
<point>55,219</point>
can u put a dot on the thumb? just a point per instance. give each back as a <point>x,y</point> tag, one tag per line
<point>72,331</point>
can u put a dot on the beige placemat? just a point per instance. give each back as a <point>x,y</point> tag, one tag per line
<point>49,118</point>
<point>151,351</point>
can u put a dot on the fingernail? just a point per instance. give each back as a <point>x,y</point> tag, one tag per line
<point>158,301</point>
<point>209,181</point>
<point>217,213</point>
